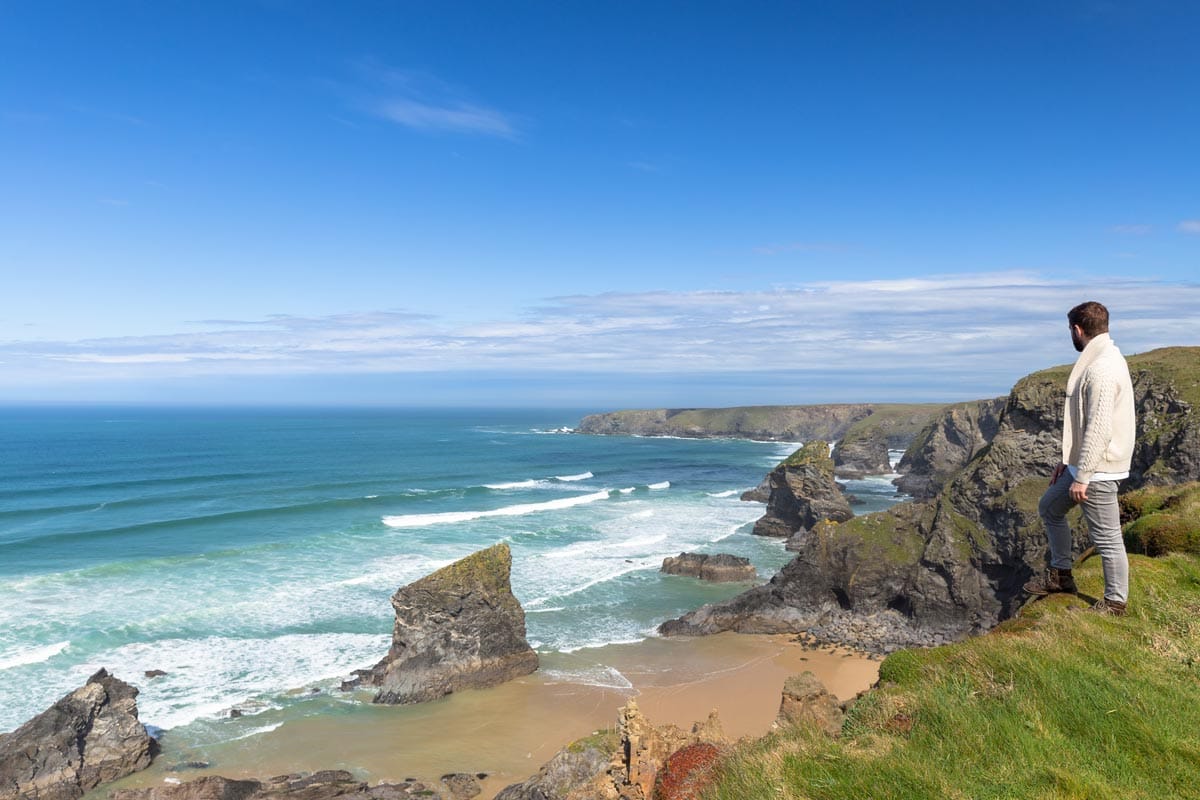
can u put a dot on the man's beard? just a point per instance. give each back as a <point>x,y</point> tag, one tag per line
<point>1079,343</point>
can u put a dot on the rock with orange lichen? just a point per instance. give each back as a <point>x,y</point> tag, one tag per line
<point>687,772</point>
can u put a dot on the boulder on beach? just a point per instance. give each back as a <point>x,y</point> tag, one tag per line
<point>457,628</point>
<point>717,568</point>
<point>89,737</point>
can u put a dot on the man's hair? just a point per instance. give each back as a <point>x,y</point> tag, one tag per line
<point>1091,317</point>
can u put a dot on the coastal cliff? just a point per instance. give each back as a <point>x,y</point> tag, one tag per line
<point>926,572</point>
<point>946,444</point>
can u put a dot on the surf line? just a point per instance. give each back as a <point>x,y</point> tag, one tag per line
<point>421,520</point>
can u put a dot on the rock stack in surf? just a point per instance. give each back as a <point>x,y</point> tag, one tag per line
<point>458,628</point>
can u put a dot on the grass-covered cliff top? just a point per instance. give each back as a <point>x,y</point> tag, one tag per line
<point>899,423</point>
<point>1059,702</point>
<point>1179,366</point>
<point>814,453</point>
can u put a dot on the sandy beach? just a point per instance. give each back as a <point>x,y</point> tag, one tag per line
<point>510,730</point>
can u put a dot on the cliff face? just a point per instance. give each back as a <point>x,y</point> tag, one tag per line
<point>946,444</point>
<point>457,628</point>
<point>926,572</point>
<point>863,448</point>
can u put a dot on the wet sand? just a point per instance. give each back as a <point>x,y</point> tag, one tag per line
<point>509,731</point>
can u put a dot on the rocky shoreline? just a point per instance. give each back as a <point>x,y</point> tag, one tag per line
<point>945,566</point>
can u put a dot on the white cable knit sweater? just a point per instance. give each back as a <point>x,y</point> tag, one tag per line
<point>1099,426</point>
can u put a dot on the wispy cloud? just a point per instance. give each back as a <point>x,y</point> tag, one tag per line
<point>958,335</point>
<point>1132,230</point>
<point>422,102</point>
<point>1190,226</point>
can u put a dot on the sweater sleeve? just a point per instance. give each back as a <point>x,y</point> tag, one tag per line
<point>1099,400</point>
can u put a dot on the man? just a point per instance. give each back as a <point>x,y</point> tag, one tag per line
<point>1097,446</point>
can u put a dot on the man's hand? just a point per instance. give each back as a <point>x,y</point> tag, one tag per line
<point>1058,471</point>
<point>1078,491</point>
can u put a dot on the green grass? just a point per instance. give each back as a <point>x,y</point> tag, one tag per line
<point>899,423</point>
<point>1165,519</point>
<point>815,453</point>
<point>1058,702</point>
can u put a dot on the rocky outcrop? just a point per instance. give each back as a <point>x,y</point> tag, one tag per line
<point>625,765</point>
<point>946,445</point>
<point>863,449</point>
<point>458,628</point>
<point>760,493</point>
<point>717,568</point>
<point>89,737</point>
<point>805,701</point>
<point>324,785</point>
<point>768,423</point>
<point>927,572</point>
<point>803,492</point>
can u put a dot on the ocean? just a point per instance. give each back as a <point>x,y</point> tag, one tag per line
<point>250,554</point>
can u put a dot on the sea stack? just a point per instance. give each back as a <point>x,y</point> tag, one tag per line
<point>89,737</point>
<point>458,628</point>
<point>803,492</point>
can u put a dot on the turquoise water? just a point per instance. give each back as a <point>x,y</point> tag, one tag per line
<point>250,554</point>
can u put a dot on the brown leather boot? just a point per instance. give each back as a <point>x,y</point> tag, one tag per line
<point>1052,581</point>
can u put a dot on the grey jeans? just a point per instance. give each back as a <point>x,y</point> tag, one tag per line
<point>1103,518</point>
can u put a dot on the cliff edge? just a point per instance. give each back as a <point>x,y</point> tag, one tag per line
<point>926,572</point>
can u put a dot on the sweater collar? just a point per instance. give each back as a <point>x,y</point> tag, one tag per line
<point>1099,344</point>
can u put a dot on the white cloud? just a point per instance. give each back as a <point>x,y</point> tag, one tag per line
<point>423,102</point>
<point>968,334</point>
<point>456,117</point>
<point>1190,226</point>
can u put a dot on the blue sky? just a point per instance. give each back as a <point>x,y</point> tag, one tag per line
<point>592,204</point>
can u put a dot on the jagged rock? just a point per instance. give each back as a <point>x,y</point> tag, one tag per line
<point>89,737</point>
<point>324,785</point>
<point>565,776</point>
<point>760,493</point>
<point>946,445</point>
<point>154,673</point>
<point>931,572</point>
<point>803,492</point>
<point>805,701</point>
<point>717,568</point>
<point>863,449</point>
<point>458,628</point>
<point>614,766</point>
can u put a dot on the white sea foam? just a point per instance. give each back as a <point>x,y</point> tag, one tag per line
<point>662,485</point>
<point>421,520</point>
<point>583,476</point>
<point>726,493</point>
<point>371,497</point>
<point>31,655</point>
<point>628,490</point>
<point>207,676</point>
<point>257,731</point>
<point>529,484</point>
<point>601,675</point>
